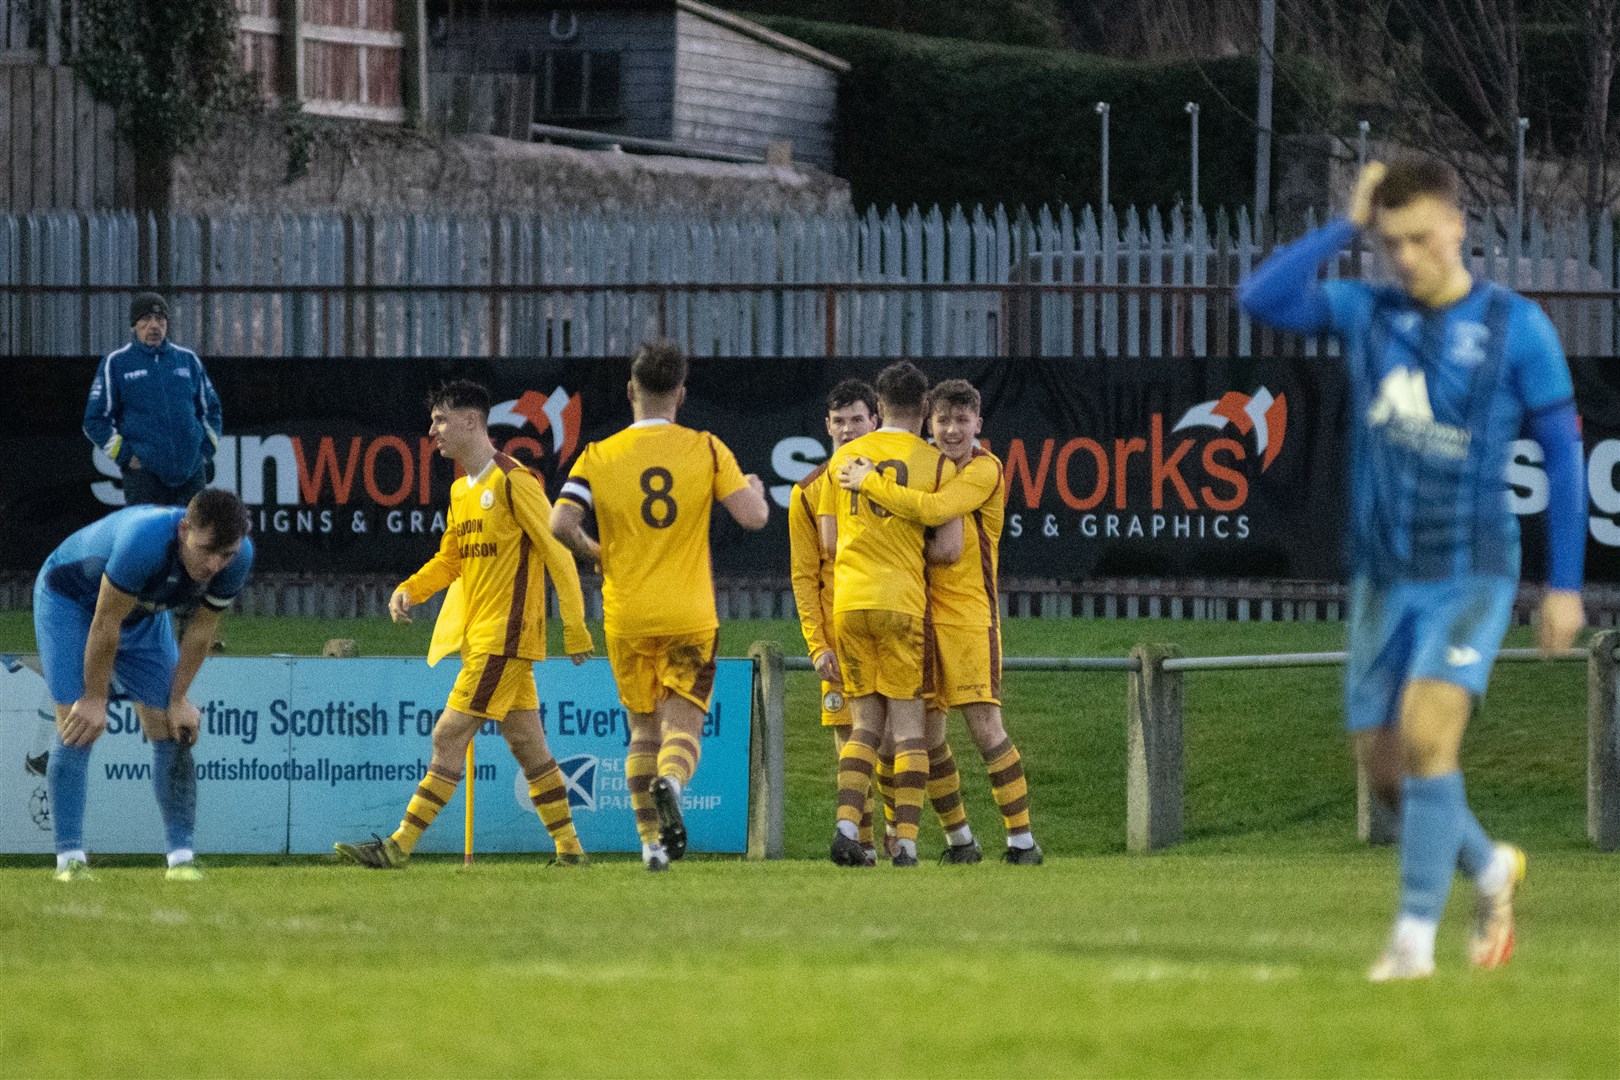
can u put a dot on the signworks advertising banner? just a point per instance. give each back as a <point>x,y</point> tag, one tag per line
<point>1114,468</point>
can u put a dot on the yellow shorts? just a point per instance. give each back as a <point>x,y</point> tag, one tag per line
<point>492,686</point>
<point>881,652</point>
<point>835,711</point>
<point>967,666</point>
<point>649,669</point>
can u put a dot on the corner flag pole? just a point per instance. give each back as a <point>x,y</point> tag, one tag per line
<point>467,839</point>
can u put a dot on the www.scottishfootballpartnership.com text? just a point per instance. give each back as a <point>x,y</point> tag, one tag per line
<point>319,771</point>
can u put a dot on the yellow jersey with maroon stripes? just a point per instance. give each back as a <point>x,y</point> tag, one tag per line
<point>497,540</point>
<point>652,487</point>
<point>878,565</point>
<point>963,593</point>
<point>811,570</point>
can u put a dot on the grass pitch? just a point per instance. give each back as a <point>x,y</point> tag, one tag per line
<point>1239,953</point>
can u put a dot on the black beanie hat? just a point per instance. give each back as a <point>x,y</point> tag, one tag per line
<point>147,303</point>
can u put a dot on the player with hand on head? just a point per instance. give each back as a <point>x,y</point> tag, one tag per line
<point>1444,373</point>
<point>965,608</point>
<point>880,604</point>
<point>652,488</point>
<point>498,546</point>
<point>101,612</point>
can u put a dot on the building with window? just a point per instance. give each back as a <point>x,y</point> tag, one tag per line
<point>677,72</point>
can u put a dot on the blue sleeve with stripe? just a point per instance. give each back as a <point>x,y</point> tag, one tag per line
<point>229,582</point>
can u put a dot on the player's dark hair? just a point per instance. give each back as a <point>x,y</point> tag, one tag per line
<point>954,394</point>
<point>461,394</point>
<point>1413,178</point>
<point>220,513</point>
<point>902,387</point>
<point>659,367</point>
<point>848,392</point>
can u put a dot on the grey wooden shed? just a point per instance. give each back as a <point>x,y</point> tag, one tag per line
<point>675,71</point>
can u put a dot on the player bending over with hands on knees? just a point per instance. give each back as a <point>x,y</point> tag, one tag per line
<point>652,487</point>
<point>1444,371</point>
<point>496,549</point>
<point>101,613</point>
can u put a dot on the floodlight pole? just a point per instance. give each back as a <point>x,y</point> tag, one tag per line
<point>1192,111</point>
<point>1102,111</point>
<point>1262,148</point>
<point>1518,198</point>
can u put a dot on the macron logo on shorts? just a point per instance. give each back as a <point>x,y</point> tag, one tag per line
<point>1462,655</point>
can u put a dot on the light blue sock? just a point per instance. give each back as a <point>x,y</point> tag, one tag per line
<point>176,795</point>
<point>1431,836</point>
<point>1477,851</point>
<point>68,776</point>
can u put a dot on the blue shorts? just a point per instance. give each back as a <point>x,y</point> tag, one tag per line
<point>1444,630</point>
<point>143,669</point>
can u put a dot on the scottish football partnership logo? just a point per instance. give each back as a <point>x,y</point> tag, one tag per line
<point>579,781</point>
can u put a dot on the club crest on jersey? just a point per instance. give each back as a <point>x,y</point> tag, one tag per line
<point>1264,415</point>
<point>487,499</point>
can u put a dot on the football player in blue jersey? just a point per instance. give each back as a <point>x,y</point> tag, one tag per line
<point>101,612</point>
<point>1445,371</point>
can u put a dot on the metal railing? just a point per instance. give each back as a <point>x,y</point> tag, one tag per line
<point>979,283</point>
<point>1156,718</point>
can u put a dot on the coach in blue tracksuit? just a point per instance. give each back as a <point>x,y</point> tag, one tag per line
<point>154,411</point>
<point>1444,374</point>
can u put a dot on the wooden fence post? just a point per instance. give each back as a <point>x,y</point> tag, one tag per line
<point>292,50</point>
<point>413,66</point>
<point>767,752</point>
<point>1153,779</point>
<point>1602,744</point>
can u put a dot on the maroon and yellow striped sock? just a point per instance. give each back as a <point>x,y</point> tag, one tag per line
<point>855,763</point>
<point>678,757</point>
<point>550,800</point>
<point>945,789</point>
<point>863,831</point>
<point>883,779</point>
<point>1007,784</point>
<point>431,795</point>
<point>640,766</point>
<point>910,778</point>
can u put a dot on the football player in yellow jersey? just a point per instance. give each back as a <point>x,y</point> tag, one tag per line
<point>966,605</point>
<point>652,487</point>
<point>879,612</point>
<point>497,543</point>
<point>851,413</point>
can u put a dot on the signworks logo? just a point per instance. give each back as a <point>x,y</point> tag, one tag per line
<point>296,481</point>
<point>1187,479</point>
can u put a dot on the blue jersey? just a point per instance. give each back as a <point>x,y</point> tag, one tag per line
<point>138,549</point>
<point>1437,397</point>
